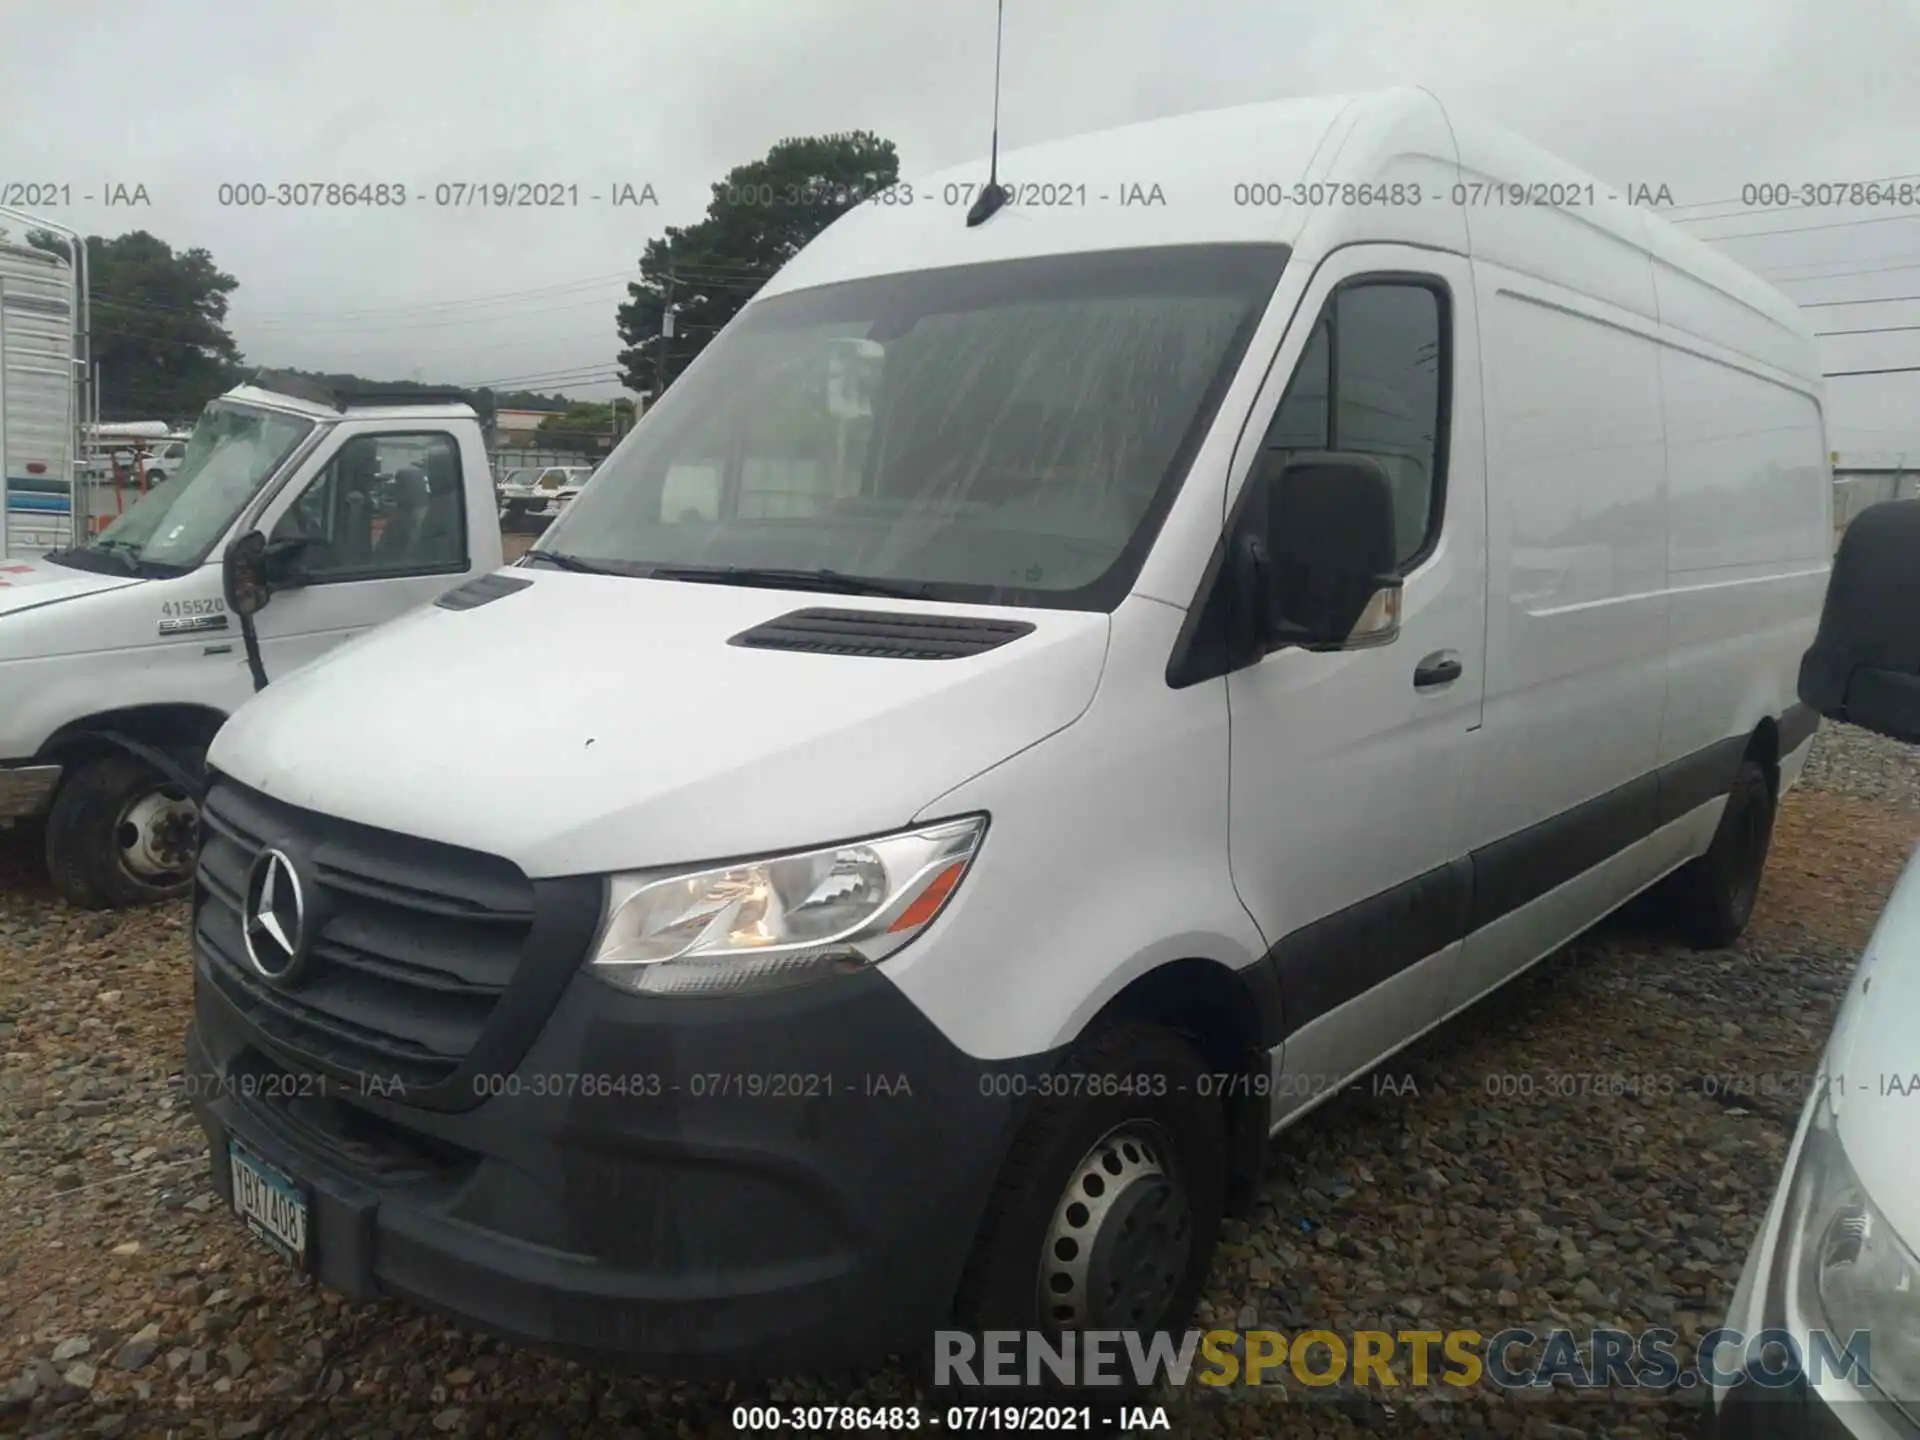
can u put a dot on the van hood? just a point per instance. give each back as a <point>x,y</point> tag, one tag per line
<point>1873,1058</point>
<point>28,584</point>
<point>590,723</point>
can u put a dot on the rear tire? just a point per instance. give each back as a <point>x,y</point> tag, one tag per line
<point>120,834</point>
<point>1711,898</point>
<point>1107,1207</point>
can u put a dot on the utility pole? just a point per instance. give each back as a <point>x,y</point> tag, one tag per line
<point>666,334</point>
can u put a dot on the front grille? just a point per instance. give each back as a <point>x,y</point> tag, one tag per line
<point>416,942</point>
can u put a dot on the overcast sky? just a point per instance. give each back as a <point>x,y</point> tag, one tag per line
<point>1705,97</point>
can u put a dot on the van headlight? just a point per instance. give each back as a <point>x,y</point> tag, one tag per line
<point>784,920</point>
<point>1859,1275</point>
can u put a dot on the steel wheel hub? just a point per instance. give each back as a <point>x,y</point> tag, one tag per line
<point>1120,1241</point>
<point>156,837</point>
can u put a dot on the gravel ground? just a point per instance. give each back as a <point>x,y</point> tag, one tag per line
<point>1460,1188</point>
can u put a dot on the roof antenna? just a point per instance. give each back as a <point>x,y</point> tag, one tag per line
<point>992,197</point>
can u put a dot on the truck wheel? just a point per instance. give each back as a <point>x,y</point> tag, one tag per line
<point>1108,1205</point>
<point>120,834</point>
<point>1711,897</point>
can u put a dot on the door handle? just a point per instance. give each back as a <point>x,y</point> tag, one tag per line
<point>1442,667</point>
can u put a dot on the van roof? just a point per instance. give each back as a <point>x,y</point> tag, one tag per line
<point>314,408</point>
<point>1228,175</point>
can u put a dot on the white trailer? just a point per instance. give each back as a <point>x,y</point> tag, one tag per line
<point>43,368</point>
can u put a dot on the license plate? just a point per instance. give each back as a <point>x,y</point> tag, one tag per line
<point>273,1206</point>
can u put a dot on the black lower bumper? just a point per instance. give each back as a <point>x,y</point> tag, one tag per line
<point>749,1185</point>
<point>1755,1411</point>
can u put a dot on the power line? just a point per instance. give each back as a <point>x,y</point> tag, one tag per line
<point>1843,274</point>
<point>1809,229</point>
<point>548,377</point>
<point>1871,330</point>
<point>446,322</point>
<point>1772,272</point>
<point>1870,300</point>
<point>462,301</point>
<point>1894,370</point>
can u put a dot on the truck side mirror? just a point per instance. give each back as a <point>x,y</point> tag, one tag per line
<point>243,574</point>
<point>1322,575</point>
<point>1864,666</point>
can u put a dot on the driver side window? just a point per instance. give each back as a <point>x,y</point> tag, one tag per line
<point>1372,380</point>
<point>385,506</point>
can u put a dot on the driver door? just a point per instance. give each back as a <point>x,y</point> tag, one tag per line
<point>379,528</point>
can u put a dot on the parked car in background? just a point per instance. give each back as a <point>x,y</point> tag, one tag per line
<point>533,496</point>
<point>514,490</point>
<point>556,486</point>
<point>152,460</point>
<point>1838,1253</point>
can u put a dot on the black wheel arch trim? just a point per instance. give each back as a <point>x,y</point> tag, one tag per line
<point>172,738</point>
<point>1798,722</point>
<point>193,781</point>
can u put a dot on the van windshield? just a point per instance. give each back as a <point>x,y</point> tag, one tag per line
<point>232,452</point>
<point>1008,433</point>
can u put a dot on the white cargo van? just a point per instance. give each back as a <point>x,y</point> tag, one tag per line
<point>1227,640</point>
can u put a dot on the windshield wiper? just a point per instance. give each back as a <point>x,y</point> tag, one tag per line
<point>774,578</point>
<point>127,553</point>
<point>560,560</point>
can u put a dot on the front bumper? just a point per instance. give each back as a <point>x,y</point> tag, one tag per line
<point>26,790</point>
<point>788,1182</point>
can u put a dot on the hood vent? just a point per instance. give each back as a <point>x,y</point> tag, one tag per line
<point>480,591</point>
<point>883,634</point>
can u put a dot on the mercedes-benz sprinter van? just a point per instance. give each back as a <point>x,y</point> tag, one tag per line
<point>1042,702</point>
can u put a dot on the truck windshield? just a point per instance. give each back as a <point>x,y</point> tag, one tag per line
<point>230,455</point>
<point>1007,433</point>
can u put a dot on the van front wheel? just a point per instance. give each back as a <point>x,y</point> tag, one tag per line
<point>1107,1208</point>
<point>120,834</point>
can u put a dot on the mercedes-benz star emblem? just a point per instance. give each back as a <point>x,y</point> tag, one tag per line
<point>276,917</point>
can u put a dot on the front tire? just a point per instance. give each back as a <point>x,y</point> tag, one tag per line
<point>1108,1206</point>
<point>120,834</point>
<point>1712,897</point>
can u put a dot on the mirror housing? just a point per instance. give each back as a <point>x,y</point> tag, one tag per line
<point>1317,566</point>
<point>243,574</point>
<point>1864,665</point>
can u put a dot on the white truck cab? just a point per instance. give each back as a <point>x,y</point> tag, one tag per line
<point>118,656</point>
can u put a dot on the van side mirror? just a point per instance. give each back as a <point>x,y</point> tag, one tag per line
<point>1317,566</point>
<point>1864,666</point>
<point>243,574</point>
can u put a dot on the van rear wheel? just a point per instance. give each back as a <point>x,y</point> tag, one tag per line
<point>1712,897</point>
<point>120,834</point>
<point>1109,1203</point>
